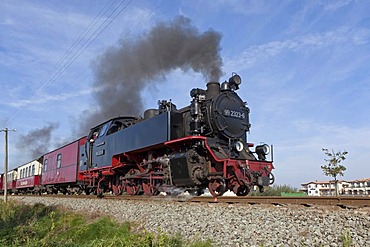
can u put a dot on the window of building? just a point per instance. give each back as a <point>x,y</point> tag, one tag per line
<point>59,161</point>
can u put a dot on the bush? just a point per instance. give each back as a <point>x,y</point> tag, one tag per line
<point>275,190</point>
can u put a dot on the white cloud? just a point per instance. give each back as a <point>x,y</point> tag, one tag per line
<point>301,155</point>
<point>46,99</point>
<point>334,5</point>
<point>256,53</point>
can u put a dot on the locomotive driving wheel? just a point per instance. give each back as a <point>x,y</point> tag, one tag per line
<point>149,189</point>
<point>217,187</point>
<point>117,189</point>
<point>131,184</point>
<point>132,189</point>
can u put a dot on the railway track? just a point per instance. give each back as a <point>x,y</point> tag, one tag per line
<point>343,202</point>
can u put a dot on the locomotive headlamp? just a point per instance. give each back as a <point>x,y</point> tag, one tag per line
<point>264,148</point>
<point>235,80</point>
<point>239,146</point>
<point>262,151</point>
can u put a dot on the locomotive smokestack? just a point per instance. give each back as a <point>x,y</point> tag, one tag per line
<point>213,89</point>
<point>123,71</point>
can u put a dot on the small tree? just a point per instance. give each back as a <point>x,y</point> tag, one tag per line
<point>334,168</point>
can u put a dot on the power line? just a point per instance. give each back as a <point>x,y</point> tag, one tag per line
<point>87,43</point>
<point>70,49</point>
<point>47,83</point>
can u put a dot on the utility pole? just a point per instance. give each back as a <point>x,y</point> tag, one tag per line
<point>6,130</point>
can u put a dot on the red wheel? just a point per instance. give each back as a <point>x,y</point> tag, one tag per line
<point>131,183</point>
<point>117,189</point>
<point>132,190</point>
<point>217,187</point>
<point>150,190</point>
<point>99,192</point>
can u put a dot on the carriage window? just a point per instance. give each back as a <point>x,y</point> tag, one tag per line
<point>33,170</point>
<point>26,171</point>
<point>59,161</point>
<point>45,165</point>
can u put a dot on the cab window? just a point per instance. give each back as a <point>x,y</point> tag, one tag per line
<point>103,129</point>
<point>116,126</point>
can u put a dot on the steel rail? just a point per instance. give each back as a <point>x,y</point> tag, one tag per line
<point>281,200</point>
<point>344,202</point>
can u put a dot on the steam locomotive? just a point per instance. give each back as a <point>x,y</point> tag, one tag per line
<point>203,145</point>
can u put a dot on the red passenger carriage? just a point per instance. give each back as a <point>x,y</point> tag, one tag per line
<point>60,168</point>
<point>11,181</point>
<point>1,183</point>
<point>29,176</point>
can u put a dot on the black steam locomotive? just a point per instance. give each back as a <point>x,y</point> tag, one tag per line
<point>203,145</point>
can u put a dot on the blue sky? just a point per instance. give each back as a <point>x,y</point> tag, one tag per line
<point>304,65</point>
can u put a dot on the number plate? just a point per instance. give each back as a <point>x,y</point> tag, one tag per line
<point>234,114</point>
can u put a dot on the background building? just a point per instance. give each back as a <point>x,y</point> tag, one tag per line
<point>327,188</point>
<point>358,187</point>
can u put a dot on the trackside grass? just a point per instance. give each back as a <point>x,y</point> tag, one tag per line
<point>275,190</point>
<point>39,225</point>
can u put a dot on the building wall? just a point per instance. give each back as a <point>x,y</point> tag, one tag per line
<point>358,188</point>
<point>348,188</point>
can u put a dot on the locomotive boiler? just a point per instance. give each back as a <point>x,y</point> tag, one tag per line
<point>203,145</point>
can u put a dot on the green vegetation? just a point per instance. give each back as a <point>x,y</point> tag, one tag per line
<point>276,190</point>
<point>334,168</point>
<point>39,225</point>
<point>346,239</point>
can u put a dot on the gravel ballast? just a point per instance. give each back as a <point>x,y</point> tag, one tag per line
<point>234,224</point>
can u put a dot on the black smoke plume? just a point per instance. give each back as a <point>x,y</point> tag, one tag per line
<point>123,71</point>
<point>37,142</point>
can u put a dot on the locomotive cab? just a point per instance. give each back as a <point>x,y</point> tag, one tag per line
<point>96,148</point>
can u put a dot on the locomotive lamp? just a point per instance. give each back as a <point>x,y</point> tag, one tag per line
<point>239,146</point>
<point>234,81</point>
<point>262,151</point>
